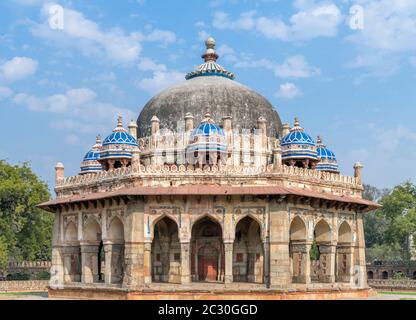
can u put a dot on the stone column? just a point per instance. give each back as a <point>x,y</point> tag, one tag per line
<point>280,276</point>
<point>185,263</point>
<point>228,249</point>
<point>133,278</point>
<point>266,267</point>
<point>89,262</point>
<point>147,263</point>
<point>108,251</point>
<point>57,269</point>
<point>344,263</point>
<point>301,262</point>
<point>327,262</point>
<point>360,273</point>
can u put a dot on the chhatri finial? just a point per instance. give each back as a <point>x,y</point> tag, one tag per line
<point>297,122</point>
<point>296,126</point>
<point>207,117</point>
<point>120,121</point>
<point>210,43</point>
<point>319,140</point>
<point>210,55</point>
<point>98,139</point>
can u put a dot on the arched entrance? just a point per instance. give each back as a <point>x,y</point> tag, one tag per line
<point>322,268</point>
<point>248,260</point>
<point>91,252</point>
<point>207,251</point>
<point>385,275</point>
<point>298,251</point>
<point>370,275</point>
<point>166,252</point>
<point>344,254</point>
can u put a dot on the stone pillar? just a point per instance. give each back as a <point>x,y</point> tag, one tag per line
<point>133,129</point>
<point>185,263</point>
<point>327,263</point>
<point>89,262</point>
<point>277,156</point>
<point>266,262</point>
<point>228,249</point>
<point>358,167</point>
<point>189,122</point>
<point>360,273</point>
<point>147,263</point>
<point>108,250</point>
<point>285,129</point>
<point>344,263</point>
<point>71,263</point>
<point>133,246</point>
<point>279,245</point>
<point>155,125</point>
<point>57,269</point>
<point>59,173</point>
<point>301,262</point>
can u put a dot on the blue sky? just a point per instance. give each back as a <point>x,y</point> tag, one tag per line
<point>350,80</point>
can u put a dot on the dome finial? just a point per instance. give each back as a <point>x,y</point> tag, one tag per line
<point>207,117</point>
<point>98,139</point>
<point>120,121</point>
<point>210,55</point>
<point>297,122</point>
<point>210,43</point>
<point>319,140</point>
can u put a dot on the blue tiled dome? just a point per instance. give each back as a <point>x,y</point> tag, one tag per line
<point>207,138</point>
<point>119,144</point>
<point>90,163</point>
<point>120,137</point>
<point>298,137</point>
<point>92,155</point>
<point>325,153</point>
<point>328,160</point>
<point>207,129</point>
<point>297,145</point>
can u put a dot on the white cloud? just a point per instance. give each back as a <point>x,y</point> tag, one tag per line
<point>18,68</point>
<point>313,21</point>
<point>77,110</point>
<point>147,64</point>
<point>112,44</point>
<point>388,36</point>
<point>392,145</point>
<point>5,92</point>
<point>292,67</point>
<point>160,80</point>
<point>288,91</point>
<point>296,67</point>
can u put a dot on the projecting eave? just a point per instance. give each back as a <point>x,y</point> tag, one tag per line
<point>291,193</point>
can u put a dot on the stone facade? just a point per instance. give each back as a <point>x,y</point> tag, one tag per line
<point>384,270</point>
<point>208,207</point>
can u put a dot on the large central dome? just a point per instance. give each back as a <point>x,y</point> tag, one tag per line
<point>209,89</point>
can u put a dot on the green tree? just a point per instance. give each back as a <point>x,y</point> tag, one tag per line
<point>4,253</point>
<point>26,229</point>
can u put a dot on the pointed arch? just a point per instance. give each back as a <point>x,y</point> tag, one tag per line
<point>248,254</point>
<point>207,234</point>
<point>298,230</point>
<point>92,230</point>
<point>166,251</point>
<point>71,232</point>
<point>344,233</point>
<point>116,229</point>
<point>322,231</point>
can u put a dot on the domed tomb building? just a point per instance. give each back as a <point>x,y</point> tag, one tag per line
<point>208,193</point>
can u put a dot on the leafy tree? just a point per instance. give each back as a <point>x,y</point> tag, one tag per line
<point>26,230</point>
<point>388,229</point>
<point>4,254</point>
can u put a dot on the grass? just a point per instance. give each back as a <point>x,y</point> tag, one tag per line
<point>33,293</point>
<point>398,293</point>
